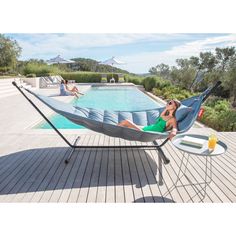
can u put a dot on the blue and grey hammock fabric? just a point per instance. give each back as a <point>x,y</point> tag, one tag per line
<point>105,121</point>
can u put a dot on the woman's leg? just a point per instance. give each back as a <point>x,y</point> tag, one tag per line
<point>74,89</point>
<point>75,94</point>
<point>129,124</point>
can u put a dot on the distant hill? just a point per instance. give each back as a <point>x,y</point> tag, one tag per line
<point>144,74</point>
<point>86,64</point>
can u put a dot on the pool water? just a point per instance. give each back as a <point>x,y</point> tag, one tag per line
<point>107,98</point>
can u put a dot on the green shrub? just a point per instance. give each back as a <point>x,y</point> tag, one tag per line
<point>4,69</point>
<point>30,75</point>
<point>138,80</point>
<point>211,101</point>
<point>40,69</point>
<point>149,83</point>
<point>158,92</point>
<point>121,80</point>
<point>222,106</point>
<point>220,116</point>
<point>110,76</point>
<point>82,77</point>
<point>161,83</point>
<point>103,80</point>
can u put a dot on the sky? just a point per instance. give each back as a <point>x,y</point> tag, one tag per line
<point>140,52</point>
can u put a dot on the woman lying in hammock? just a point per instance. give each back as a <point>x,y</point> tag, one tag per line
<point>166,121</point>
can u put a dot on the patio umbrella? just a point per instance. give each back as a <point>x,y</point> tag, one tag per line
<point>58,60</point>
<point>112,61</point>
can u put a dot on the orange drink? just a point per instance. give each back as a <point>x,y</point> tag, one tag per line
<point>212,142</point>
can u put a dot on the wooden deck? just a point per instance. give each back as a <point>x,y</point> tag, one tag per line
<point>32,169</point>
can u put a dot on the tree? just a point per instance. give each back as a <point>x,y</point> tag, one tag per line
<point>162,70</point>
<point>224,56</point>
<point>184,73</point>
<point>9,52</point>
<point>153,70</point>
<point>230,79</point>
<point>85,64</point>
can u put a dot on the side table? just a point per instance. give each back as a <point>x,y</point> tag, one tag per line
<point>187,150</point>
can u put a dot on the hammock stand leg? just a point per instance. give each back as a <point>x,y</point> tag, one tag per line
<point>74,146</point>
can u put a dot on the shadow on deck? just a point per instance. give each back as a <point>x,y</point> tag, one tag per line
<point>43,169</point>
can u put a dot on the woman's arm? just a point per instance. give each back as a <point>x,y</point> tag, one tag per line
<point>163,113</point>
<point>174,130</point>
<point>67,88</point>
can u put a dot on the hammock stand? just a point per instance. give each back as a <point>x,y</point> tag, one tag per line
<point>155,145</point>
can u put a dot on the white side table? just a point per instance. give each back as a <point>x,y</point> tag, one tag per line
<point>204,151</point>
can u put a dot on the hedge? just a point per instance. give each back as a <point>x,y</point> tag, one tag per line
<point>219,115</point>
<point>82,77</point>
<point>90,77</point>
<point>172,92</point>
<point>138,80</point>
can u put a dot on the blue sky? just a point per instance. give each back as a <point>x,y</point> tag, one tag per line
<point>138,51</point>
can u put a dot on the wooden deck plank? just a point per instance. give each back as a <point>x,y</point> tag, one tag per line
<point>61,185</point>
<point>137,190</point>
<point>93,186</point>
<point>38,189</point>
<point>102,183</point>
<point>194,193</point>
<point>74,193</point>
<point>110,183</point>
<point>22,186</point>
<point>65,192</point>
<point>144,185</point>
<point>224,184</point>
<point>48,191</point>
<point>119,183</point>
<point>157,173</point>
<point>64,177</point>
<point>128,186</point>
<point>29,176</point>
<point>12,161</point>
<point>127,175</point>
<point>200,170</point>
<point>70,181</point>
<point>31,186</point>
<point>194,173</point>
<point>10,174</point>
<point>156,195</point>
<point>169,174</point>
<point>83,194</point>
<point>11,180</point>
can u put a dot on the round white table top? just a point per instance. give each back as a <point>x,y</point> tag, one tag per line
<point>203,151</point>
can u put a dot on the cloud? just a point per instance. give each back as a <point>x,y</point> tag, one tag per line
<point>42,45</point>
<point>139,60</point>
<point>142,62</point>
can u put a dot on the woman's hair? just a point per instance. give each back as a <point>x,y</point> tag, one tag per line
<point>66,81</point>
<point>62,81</point>
<point>177,104</point>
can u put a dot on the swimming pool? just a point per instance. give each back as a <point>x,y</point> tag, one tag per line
<point>124,98</point>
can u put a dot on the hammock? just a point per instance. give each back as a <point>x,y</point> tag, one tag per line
<point>104,121</point>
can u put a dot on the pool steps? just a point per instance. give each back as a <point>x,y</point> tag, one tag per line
<point>6,88</point>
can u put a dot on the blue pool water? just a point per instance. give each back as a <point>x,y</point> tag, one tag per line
<point>109,98</point>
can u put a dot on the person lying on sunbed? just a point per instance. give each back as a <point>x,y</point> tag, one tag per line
<point>63,91</point>
<point>165,122</point>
